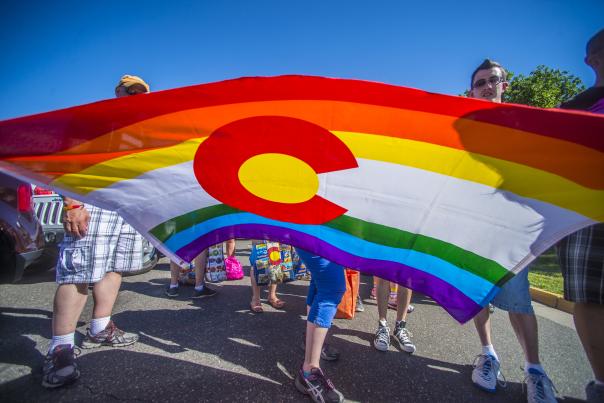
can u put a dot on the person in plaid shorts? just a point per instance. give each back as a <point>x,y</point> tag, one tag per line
<point>581,254</point>
<point>98,246</point>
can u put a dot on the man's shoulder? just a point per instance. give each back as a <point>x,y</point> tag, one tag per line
<point>585,100</point>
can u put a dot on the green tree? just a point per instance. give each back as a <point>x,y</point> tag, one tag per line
<point>543,87</point>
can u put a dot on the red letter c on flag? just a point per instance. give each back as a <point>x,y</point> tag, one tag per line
<point>219,158</point>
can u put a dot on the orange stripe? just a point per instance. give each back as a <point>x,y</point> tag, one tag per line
<point>575,162</point>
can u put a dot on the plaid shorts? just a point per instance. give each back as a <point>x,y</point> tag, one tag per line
<point>111,245</point>
<point>581,257</point>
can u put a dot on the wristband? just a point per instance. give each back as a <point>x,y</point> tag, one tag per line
<point>72,207</point>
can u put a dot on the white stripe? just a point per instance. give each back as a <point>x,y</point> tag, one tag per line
<point>495,224</point>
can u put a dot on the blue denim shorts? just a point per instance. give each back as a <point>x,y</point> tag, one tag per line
<point>514,295</point>
<point>327,286</point>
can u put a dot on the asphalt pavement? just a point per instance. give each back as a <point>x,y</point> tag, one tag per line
<point>217,350</point>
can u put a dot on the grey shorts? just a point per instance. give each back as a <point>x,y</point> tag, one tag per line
<point>111,245</point>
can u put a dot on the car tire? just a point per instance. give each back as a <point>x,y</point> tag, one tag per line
<point>8,259</point>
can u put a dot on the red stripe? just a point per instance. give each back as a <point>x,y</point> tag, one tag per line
<point>56,131</point>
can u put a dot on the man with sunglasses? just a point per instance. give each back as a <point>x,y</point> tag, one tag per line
<point>489,83</point>
<point>98,246</point>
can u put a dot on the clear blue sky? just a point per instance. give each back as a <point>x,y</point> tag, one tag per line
<point>59,54</point>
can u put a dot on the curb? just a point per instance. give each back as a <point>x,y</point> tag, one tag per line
<point>552,300</point>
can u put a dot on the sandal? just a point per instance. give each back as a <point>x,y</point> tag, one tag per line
<point>256,307</point>
<point>276,303</point>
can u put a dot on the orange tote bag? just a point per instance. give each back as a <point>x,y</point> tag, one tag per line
<point>347,306</point>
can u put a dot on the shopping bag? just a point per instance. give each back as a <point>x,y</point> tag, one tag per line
<point>346,308</point>
<point>233,268</point>
<point>215,270</point>
<point>271,262</point>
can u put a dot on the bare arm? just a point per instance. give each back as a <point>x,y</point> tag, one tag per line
<point>75,219</point>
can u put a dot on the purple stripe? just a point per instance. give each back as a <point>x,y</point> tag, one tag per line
<point>456,303</point>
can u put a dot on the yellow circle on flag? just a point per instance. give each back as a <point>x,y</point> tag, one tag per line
<point>279,178</point>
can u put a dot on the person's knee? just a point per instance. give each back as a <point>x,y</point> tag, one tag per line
<point>330,296</point>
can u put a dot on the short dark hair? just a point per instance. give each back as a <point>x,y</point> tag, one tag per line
<point>488,64</point>
<point>595,44</point>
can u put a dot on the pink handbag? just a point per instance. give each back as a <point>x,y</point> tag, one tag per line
<point>233,268</point>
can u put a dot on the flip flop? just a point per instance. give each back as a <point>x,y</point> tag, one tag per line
<point>276,303</point>
<point>256,308</point>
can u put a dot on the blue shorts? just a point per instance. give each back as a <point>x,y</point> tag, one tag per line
<point>327,286</point>
<point>514,295</point>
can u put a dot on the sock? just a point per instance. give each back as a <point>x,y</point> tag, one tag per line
<point>400,323</point>
<point>537,367</point>
<point>306,373</point>
<point>99,324</point>
<point>174,285</point>
<point>383,323</point>
<point>490,350</point>
<point>599,383</point>
<point>64,339</point>
<point>199,288</point>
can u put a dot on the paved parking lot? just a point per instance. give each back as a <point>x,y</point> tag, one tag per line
<point>217,350</point>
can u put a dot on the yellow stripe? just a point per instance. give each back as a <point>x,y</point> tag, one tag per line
<point>130,166</point>
<point>496,173</point>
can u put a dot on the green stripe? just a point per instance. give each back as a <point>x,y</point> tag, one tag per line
<point>175,225</point>
<point>371,232</point>
<point>396,238</point>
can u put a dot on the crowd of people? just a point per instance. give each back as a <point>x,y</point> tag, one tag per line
<point>99,246</point>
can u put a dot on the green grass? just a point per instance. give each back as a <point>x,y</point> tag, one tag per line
<point>545,273</point>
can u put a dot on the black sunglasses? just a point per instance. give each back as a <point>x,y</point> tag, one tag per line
<point>493,80</point>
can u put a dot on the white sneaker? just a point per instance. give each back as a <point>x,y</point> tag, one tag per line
<point>403,336</point>
<point>486,372</point>
<point>539,388</point>
<point>382,338</point>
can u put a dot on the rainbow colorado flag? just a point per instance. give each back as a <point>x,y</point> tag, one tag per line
<point>448,196</point>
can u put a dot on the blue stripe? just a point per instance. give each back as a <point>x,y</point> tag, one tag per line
<point>475,287</point>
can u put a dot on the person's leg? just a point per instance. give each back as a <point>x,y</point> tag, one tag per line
<point>174,272</point>
<point>381,340</point>
<point>122,251</point>
<point>581,257</point>
<point>273,299</point>
<point>382,294</point>
<point>60,367</point>
<point>525,327</point>
<point>589,321</point>
<point>403,301</point>
<point>172,289</point>
<point>482,322</point>
<point>401,333</point>
<point>200,263</point>
<point>230,247</point>
<point>105,293</point>
<point>255,304</point>
<point>329,287</point>
<point>68,306</point>
<point>201,288</point>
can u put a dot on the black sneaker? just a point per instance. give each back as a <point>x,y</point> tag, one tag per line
<point>60,367</point>
<point>328,352</point>
<point>204,293</point>
<point>594,392</point>
<point>172,292</point>
<point>318,387</point>
<point>111,336</point>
